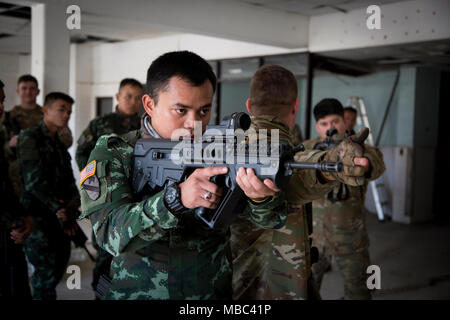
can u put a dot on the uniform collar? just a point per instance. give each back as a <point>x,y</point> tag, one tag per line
<point>44,129</point>
<point>146,127</point>
<point>46,132</point>
<point>272,122</point>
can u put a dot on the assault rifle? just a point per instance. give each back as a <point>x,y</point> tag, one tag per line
<point>158,162</point>
<point>329,142</point>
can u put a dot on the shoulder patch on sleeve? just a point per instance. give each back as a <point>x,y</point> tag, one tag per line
<point>92,187</point>
<point>88,171</point>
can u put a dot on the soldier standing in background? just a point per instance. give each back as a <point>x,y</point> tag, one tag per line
<point>276,264</point>
<point>25,115</point>
<point>350,115</point>
<point>339,218</point>
<point>15,227</point>
<point>123,120</point>
<point>49,195</point>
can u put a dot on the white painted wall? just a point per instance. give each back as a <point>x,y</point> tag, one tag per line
<point>12,66</point>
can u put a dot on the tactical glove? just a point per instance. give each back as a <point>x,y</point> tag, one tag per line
<point>345,152</point>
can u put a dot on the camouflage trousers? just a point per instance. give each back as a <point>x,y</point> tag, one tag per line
<point>49,253</point>
<point>102,263</point>
<point>353,269</point>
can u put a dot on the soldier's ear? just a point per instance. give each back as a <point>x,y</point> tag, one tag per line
<point>248,104</point>
<point>117,96</point>
<point>149,104</point>
<point>295,106</point>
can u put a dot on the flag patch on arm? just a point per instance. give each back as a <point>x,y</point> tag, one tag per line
<point>88,171</point>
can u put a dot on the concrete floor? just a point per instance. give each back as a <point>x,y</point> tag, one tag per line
<point>414,262</point>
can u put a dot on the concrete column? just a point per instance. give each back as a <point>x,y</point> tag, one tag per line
<point>50,48</point>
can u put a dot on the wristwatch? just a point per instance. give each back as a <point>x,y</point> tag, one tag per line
<point>172,199</point>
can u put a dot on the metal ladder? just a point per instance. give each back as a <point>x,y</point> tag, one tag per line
<point>377,186</point>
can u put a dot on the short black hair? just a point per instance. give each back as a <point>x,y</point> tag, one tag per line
<point>351,109</point>
<point>183,64</point>
<point>53,96</point>
<point>2,85</point>
<point>327,107</point>
<point>130,82</point>
<point>27,78</point>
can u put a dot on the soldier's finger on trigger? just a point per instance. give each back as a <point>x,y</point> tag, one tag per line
<point>214,171</point>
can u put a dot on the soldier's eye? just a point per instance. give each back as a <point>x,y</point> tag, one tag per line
<point>180,111</point>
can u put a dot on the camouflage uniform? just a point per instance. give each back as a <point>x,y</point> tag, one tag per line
<point>18,119</point>
<point>340,229</point>
<point>111,123</point>
<point>275,264</point>
<point>158,255</point>
<point>13,266</point>
<point>296,135</point>
<point>48,185</point>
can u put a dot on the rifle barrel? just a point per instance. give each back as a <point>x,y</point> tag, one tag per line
<point>321,166</point>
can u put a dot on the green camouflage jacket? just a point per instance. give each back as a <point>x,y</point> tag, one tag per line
<point>10,208</point>
<point>275,264</point>
<point>17,120</point>
<point>157,255</point>
<point>111,123</point>
<point>339,217</point>
<point>47,176</point>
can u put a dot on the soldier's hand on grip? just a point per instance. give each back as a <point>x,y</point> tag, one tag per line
<point>198,185</point>
<point>253,187</point>
<point>350,152</point>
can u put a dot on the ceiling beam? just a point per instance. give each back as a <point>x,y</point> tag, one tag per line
<point>225,19</point>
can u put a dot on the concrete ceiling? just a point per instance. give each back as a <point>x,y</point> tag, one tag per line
<point>114,20</point>
<point>315,7</point>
